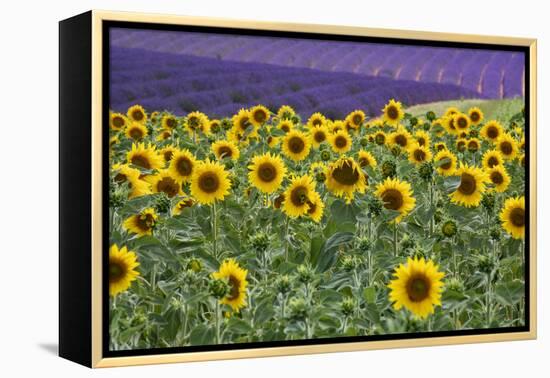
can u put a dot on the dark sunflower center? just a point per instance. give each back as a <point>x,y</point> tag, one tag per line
<point>116,271</point>
<point>316,122</point>
<point>517,217</point>
<point>452,124</point>
<point>380,139</point>
<point>393,199</point>
<point>475,116</point>
<point>462,123</point>
<point>168,155</point>
<point>440,147</point>
<point>492,161</point>
<point>496,178</point>
<point>447,164</point>
<point>492,132</point>
<point>392,112</point>
<point>209,182</point>
<point>193,122</point>
<point>184,166</point>
<point>461,146</point>
<point>340,141</point>
<point>260,116</point>
<point>419,155</point>
<point>357,119</point>
<point>319,136</point>
<point>296,145</point>
<point>401,140</point>
<point>171,123</point>
<point>267,172</point>
<point>472,146</point>
<point>234,292</point>
<point>285,127</point>
<point>136,133</point>
<point>225,151</point>
<point>244,124</point>
<point>120,178</point>
<point>137,115</point>
<point>141,161</point>
<point>145,222</point>
<point>506,148</point>
<point>279,201</point>
<point>418,288</point>
<point>118,122</point>
<point>421,141</point>
<point>467,184</point>
<point>346,174</point>
<point>298,196</point>
<point>169,186</point>
<point>363,161</point>
<point>312,207</point>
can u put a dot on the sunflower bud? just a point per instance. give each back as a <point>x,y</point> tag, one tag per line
<point>438,215</point>
<point>219,288</point>
<point>495,233</point>
<point>449,228</point>
<point>430,116</point>
<point>325,155</point>
<point>117,198</point>
<point>364,142</point>
<point>473,133</point>
<point>488,201</point>
<point>455,284</point>
<point>162,203</point>
<point>349,263</point>
<point>486,264</point>
<point>396,150</point>
<point>259,242</point>
<point>389,169</point>
<point>283,284</point>
<point>407,242</point>
<point>413,121</point>
<point>298,309</point>
<point>426,171</point>
<point>347,306</point>
<point>374,205</point>
<point>226,124</point>
<point>320,177</point>
<point>195,265</point>
<point>305,274</point>
<point>295,119</point>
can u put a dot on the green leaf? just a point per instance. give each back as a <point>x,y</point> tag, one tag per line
<point>369,293</point>
<point>450,184</point>
<point>328,253</point>
<point>510,293</point>
<point>202,335</point>
<point>238,326</point>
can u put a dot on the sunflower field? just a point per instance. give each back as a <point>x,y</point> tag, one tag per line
<point>269,226</point>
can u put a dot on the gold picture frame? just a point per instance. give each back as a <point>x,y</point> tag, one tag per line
<point>90,328</point>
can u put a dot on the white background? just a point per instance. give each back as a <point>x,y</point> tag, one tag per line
<point>29,189</point>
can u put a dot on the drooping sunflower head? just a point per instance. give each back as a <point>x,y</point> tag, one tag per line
<point>473,144</point>
<point>401,137</point>
<point>182,165</point>
<point>122,269</point>
<point>499,178</point>
<point>145,157</point>
<point>235,277</point>
<point>462,122</point>
<point>472,185</point>
<point>165,181</point>
<point>297,195</point>
<point>316,120</point>
<point>476,115</point>
<point>296,145</point>
<point>396,195</point>
<point>285,112</point>
<point>169,122</point>
<point>259,115</point>
<point>393,113</point>
<point>419,154</point>
<point>345,177</point>
<point>513,217</point>
<point>492,130</point>
<point>356,118</point>
<point>136,131</point>
<point>267,172</point>
<point>223,149</point>
<point>366,159</point>
<point>319,134</point>
<point>118,121</point>
<point>492,158</point>
<point>445,163</point>
<point>417,286</point>
<point>340,142</point>
<point>209,182</point>
<point>197,123</point>
<point>182,205</point>
<point>142,223</point>
<point>507,146</point>
<point>136,113</point>
<point>316,207</point>
<point>422,138</point>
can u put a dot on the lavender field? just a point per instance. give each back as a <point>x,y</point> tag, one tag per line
<point>219,74</point>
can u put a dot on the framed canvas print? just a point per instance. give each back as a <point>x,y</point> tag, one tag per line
<point>234,189</point>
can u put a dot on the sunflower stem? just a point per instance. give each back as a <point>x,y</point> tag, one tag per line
<point>215,230</point>
<point>431,188</point>
<point>395,252</point>
<point>488,301</point>
<point>287,222</point>
<point>218,337</point>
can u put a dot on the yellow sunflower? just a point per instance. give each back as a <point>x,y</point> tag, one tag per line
<point>316,120</point>
<point>473,144</point>
<point>209,182</point>
<point>340,142</point>
<point>296,145</point>
<point>449,125</point>
<point>393,113</point>
<point>182,165</point>
<point>345,177</point>
<point>285,125</point>
<point>462,122</point>
<point>451,111</point>
<point>422,138</point>
<point>118,121</point>
<point>445,162</point>
<point>163,135</point>
<point>356,118</point>
<point>513,217</point>
<point>401,137</point>
<point>471,187</point>
<point>336,126</point>
<point>499,178</point>
<point>507,146</point>
<point>461,144</point>
<point>196,123</point>
<point>492,158</point>
<point>142,223</point>
<point>273,141</point>
<point>440,146</point>
<point>242,124</point>
<point>136,131</point>
<point>266,172</point>
<point>419,154</point>
<point>167,153</point>
<point>169,122</point>
<point>225,149</point>
<point>285,112</point>
<point>165,181</point>
<point>380,138</point>
<point>316,207</point>
<point>366,159</point>
<point>476,115</point>
<point>136,113</point>
<point>131,177</point>
<point>122,269</point>
<point>297,195</point>
<point>144,156</point>
<point>235,276</point>
<point>396,195</point>
<point>417,286</point>
<point>259,115</point>
<point>182,204</point>
<point>319,134</point>
<point>491,131</point>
